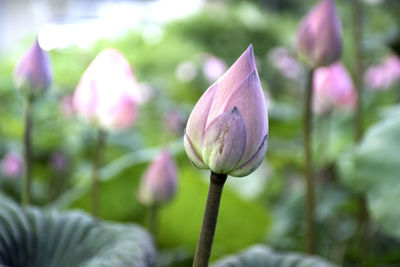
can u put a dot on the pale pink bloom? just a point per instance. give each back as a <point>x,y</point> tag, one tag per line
<point>12,165</point>
<point>213,68</point>
<point>333,89</point>
<point>284,62</point>
<point>158,184</point>
<point>227,129</point>
<point>107,92</point>
<point>383,75</point>
<point>33,73</point>
<point>319,38</point>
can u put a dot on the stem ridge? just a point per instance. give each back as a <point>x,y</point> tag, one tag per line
<point>307,132</point>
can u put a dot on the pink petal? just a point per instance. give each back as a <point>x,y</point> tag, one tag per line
<point>249,99</point>
<point>230,81</point>
<point>197,120</point>
<point>253,163</point>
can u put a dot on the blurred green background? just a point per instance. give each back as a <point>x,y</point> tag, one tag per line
<point>168,56</point>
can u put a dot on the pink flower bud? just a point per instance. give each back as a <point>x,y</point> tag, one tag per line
<point>333,88</point>
<point>227,129</point>
<point>158,183</point>
<point>12,165</point>
<point>319,35</point>
<point>107,92</point>
<point>33,73</point>
<point>383,75</point>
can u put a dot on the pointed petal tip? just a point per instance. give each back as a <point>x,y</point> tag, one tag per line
<point>235,111</point>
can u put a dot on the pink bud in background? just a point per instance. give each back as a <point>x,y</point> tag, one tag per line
<point>383,75</point>
<point>158,183</point>
<point>319,35</point>
<point>284,62</point>
<point>12,165</point>
<point>34,71</point>
<point>107,92</point>
<point>333,88</point>
<point>227,129</point>
<point>213,68</point>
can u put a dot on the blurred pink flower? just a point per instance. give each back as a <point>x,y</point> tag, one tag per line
<point>319,38</point>
<point>12,165</point>
<point>333,88</point>
<point>284,62</point>
<point>174,121</point>
<point>213,68</point>
<point>158,183</point>
<point>107,93</point>
<point>383,75</point>
<point>34,72</point>
<point>67,106</point>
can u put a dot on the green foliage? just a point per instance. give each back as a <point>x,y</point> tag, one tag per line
<point>373,168</point>
<point>262,256</point>
<point>37,238</point>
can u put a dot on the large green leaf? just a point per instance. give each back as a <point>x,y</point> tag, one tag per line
<point>262,256</point>
<point>241,222</point>
<point>30,237</point>
<point>373,168</point>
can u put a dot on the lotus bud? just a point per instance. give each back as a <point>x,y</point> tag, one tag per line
<point>33,74</point>
<point>319,35</point>
<point>333,88</point>
<point>228,128</point>
<point>107,92</point>
<point>158,184</point>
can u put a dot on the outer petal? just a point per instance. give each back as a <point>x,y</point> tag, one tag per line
<point>191,153</point>
<point>197,120</point>
<point>250,101</point>
<point>253,163</point>
<point>230,81</point>
<point>224,142</point>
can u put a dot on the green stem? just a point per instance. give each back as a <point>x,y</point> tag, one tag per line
<point>95,172</point>
<point>28,118</point>
<point>359,129</point>
<point>307,130</point>
<point>154,219</point>
<point>204,245</point>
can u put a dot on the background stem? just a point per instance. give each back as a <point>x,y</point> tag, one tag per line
<point>307,130</point>
<point>203,249</point>
<point>359,130</point>
<point>95,172</point>
<point>154,219</point>
<point>28,117</point>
